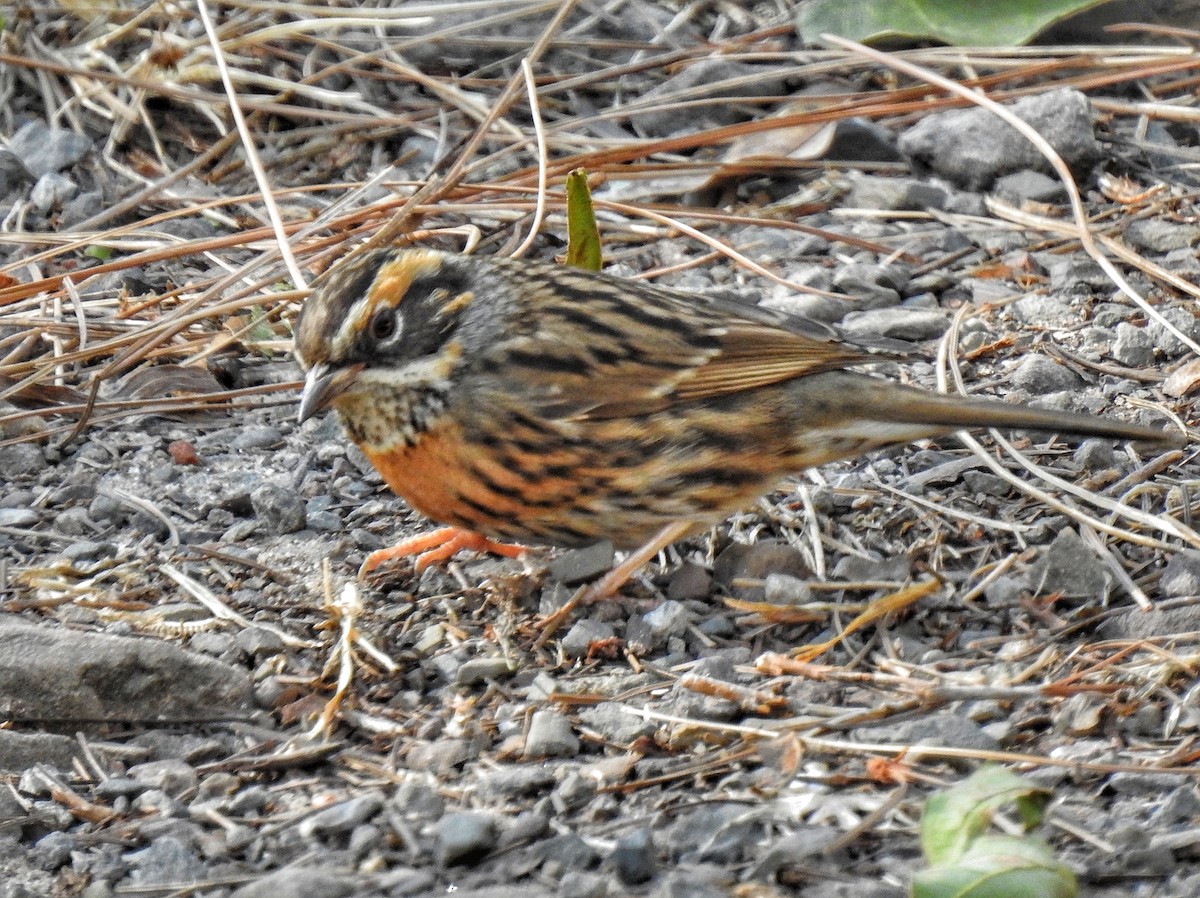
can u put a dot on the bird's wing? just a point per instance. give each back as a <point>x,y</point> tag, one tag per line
<point>652,349</point>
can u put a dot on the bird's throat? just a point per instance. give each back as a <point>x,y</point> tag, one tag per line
<point>380,419</point>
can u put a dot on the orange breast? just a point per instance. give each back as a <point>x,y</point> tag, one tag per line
<point>423,475</point>
<point>435,478</point>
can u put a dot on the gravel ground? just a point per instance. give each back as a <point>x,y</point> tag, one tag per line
<point>178,589</point>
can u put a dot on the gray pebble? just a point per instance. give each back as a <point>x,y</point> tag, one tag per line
<point>30,755</point>
<point>279,507</point>
<point>343,816</point>
<point>239,532</point>
<point>580,884</point>
<point>157,803</point>
<point>42,149</point>
<point>168,859</point>
<point>1005,591</point>
<point>257,641</point>
<point>578,565</point>
<point>1166,342</point>
<point>172,776</point>
<point>1180,804</point>
<point>105,508</point>
<point>1110,314</point>
<point>864,140</point>
<point>1181,576</point>
<point>18,517</point>
<point>710,77</point>
<point>323,521</point>
<point>689,581</point>
<point>634,859</point>
<point>364,839</point>
<point>940,728</point>
<point>895,194</point>
<point>87,550</point>
<point>828,309</point>
<point>51,191</point>
<point>986,290</point>
<point>439,757</point>
<point>1132,346</point>
<point>689,884</point>
<point>1026,185</point>
<point>1075,274</point>
<point>480,670</point>
<point>301,882</point>
<point>615,724</point>
<point>53,850</point>
<point>118,787</point>
<point>1070,567</point>
<point>640,639</point>
<point>1039,374</point>
<point>74,522</point>
<point>1160,236</point>
<point>973,341</point>
<point>1096,454</point>
<point>408,883</point>
<point>258,437</point>
<point>566,852</point>
<point>583,633</point>
<point>986,484</point>
<point>792,849</point>
<point>881,284</point>
<point>1045,311</point>
<point>20,499</point>
<point>80,209</point>
<point>12,172</point>
<point>669,619</point>
<point>784,589</point>
<point>696,705</point>
<point>550,736</point>
<point>898,323</point>
<point>740,569</point>
<point>249,800</point>
<point>418,801</point>
<point>21,460</point>
<point>465,837</point>
<point>514,781</point>
<point>858,568</point>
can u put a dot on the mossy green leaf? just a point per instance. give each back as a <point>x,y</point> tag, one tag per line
<point>999,867</point>
<point>955,22</point>
<point>954,818</point>
<point>583,237</point>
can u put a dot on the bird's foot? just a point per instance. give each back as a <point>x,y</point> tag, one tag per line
<point>436,546</point>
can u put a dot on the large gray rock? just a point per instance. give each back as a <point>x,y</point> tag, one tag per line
<point>971,148</point>
<point>55,676</point>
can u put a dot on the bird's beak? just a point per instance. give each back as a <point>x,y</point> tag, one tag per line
<point>322,385</point>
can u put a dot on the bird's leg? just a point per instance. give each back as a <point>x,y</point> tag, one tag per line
<point>607,586</point>
<point>438,545</point>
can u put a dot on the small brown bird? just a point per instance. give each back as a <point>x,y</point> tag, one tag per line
<point>533,403</point>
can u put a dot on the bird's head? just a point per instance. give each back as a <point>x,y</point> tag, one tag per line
<point>381,324</point>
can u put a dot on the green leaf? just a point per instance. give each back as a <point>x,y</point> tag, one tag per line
<point>958,22</point>
<point>999,867</point>
<point>956,817</point>
<point>260,330</point>
<point>103,253</point>
<point>583,237</point>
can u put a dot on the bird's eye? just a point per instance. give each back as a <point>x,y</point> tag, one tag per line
<point>384,324</point>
